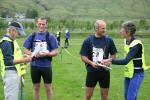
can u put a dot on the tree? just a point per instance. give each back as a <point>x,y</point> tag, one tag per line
<point>31,13</point>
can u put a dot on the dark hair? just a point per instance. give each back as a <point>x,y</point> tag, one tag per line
<point>129,27</point>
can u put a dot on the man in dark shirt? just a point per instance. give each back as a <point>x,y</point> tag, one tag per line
<point>94,49</point>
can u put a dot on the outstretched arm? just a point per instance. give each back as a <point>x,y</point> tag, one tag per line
<point>133,51</point>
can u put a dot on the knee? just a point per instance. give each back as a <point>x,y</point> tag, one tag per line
<point>104,96</point>
<point>37,87</point>
<point>48,87</point>
<point>89,95</point>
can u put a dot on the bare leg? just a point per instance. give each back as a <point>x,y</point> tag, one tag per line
<point>104,93</point>
<point>89,93</point>
<point>49,91</point>
<point>37,91</point>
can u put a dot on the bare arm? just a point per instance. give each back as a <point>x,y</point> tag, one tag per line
<point>25,59</point>
<point>113,56</point>
<point>27,51</point>
<point>107,62</point>
<point>53,53</point>
<point>22,60</point>
<point>88,61</point>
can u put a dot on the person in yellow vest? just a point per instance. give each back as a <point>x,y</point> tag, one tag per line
<point>58,37</point>
<point>134,61</point>
<point>11,60</point>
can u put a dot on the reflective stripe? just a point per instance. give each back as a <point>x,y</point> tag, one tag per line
<point>138,68</point>
<point>137,59</point>
<point>9,66</point>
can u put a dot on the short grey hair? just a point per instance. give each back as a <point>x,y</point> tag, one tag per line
<point>129,26</point>
<point>96,24</point>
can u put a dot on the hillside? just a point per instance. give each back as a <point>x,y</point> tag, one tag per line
<point>81,9</point>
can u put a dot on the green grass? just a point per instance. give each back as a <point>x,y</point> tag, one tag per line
<point>69,75</point>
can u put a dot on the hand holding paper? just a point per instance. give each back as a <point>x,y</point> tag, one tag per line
<point>104,66</point>
<point>37,49</point>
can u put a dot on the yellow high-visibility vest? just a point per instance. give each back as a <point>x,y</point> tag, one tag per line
<point>58,34</point>
<point>129,68</point>
<point>17,54</point>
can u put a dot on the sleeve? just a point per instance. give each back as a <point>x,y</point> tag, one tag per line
<point>133,51</point>
<point>113,49</point>
<point>69,34</point>
<point>53,42</point>
<point>27,43</point>
<point>7,53</point>
<point>84,48</point>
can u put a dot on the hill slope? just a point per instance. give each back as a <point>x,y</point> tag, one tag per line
<point>81,9</point>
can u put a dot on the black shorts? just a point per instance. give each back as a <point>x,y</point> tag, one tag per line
<point>44,72</point>
<point>103,77</point>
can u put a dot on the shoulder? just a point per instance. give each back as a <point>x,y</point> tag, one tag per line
<point>5,43</point>
<point>32,35</point>
<point>51,35</point>
<point>109,37</point>
<point>135,42</point>
<point>88,39</point>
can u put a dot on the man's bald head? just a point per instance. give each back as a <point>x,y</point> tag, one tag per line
<point>100,23</point>
<point>100,28</point>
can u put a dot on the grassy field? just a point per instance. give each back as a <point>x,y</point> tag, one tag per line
<point>69,75</point>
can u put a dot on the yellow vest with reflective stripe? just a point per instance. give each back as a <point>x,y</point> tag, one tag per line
<point>17,54</point>
<point>58,34</point>
<point>129,68</point>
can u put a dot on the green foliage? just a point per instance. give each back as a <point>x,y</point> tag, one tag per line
<point>3,26</point>
<point>80,9</point>
<point>144,24</point>
<point>29,25</point>
<point>80,27</point>
<point>31,13</point>
<point>4,13</point>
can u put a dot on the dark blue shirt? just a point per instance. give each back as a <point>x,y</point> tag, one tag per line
<point>134,52</point>
<point>41,37</point>
<point>8,52</point>
<point>104,45</point>
<point>67,35</point>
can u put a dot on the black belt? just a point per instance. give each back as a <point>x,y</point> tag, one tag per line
<point>10,68</point>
